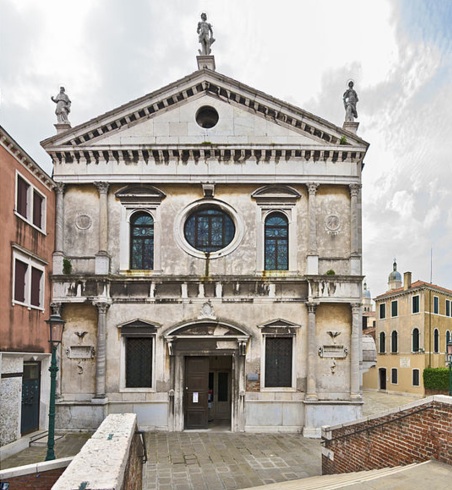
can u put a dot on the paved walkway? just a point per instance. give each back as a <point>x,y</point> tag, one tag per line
<point>218,460</point>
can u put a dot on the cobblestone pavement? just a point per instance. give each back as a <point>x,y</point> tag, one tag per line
<point>225,460</point>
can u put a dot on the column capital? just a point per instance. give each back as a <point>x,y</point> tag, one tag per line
<point>56,308</point>
<point>311,307</point>
<point>102,187</point>
<point>102,306</point>
<point>312,188</point>
<point>354,189</point>
<point>356,307</point>
<point>60,187</point>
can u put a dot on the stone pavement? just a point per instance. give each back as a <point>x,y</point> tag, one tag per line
<point>218,460</point>
<point>225,460</point>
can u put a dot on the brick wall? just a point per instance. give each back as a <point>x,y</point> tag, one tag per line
<point>419,432</point>
<point>133,479</point>
<point>38,481</point>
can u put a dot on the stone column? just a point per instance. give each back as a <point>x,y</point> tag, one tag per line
<point>102,257</point>
<point>355,257</point>
<point>58,254</point>
<point>313,258</point>
<point>355,352</point>
<point>101,351</point>
<point>311,385</point>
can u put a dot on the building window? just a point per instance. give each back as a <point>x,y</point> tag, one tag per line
<point>415,340</point>
<point>415,304</point>
<point>435,305</point>
<point>28,281</point>
<point>448,312</point>
<point>436,341</point>
<point>209,229</point>
<point>394,308</point>
<point>447,339</point>
<point>30,203</point>
<point>383,310</point>
<point>138,362</point>
<point>278,362</point>
<point>276,242</point>
<point>394,342</point>
<point>394,376</point>
<point>142,241</point>
<point>382,342</point>
<point>416,377</point>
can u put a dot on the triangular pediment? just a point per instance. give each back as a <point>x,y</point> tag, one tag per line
<point>168,117</point>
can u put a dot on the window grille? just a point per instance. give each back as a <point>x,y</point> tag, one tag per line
<point>138,362</point>
<point>278,362</point>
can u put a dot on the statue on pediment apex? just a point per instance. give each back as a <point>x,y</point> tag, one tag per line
<point>205,35</point>
<point>350,99</point>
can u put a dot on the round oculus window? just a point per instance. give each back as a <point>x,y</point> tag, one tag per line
<point>207,117</point>
<point>209,229</point>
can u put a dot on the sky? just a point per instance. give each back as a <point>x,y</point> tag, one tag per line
<point>398,52</point>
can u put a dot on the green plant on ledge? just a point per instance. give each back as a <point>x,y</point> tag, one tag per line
<point>330,272</point>
<point>67,266</point>
<point>343,140</point>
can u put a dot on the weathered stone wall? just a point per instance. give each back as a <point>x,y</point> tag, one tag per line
<point>416,433</point>
<point>10,398</point>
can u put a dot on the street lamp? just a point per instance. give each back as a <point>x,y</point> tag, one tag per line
<point>56,326</point>
<point>449,360</point>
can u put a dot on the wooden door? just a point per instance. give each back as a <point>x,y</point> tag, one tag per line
<point>196,392</point>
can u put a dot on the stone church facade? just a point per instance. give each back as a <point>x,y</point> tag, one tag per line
<point>208,262</point>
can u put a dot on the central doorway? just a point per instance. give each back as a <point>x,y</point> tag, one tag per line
<point>208,392</point>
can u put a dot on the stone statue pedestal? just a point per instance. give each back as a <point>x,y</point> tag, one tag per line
<point>351,126</point>
<point>206,61</point>
<point>62,127</point>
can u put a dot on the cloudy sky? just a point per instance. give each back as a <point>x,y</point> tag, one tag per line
<point>399,52</point>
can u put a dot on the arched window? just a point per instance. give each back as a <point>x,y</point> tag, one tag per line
<point>436,341</point>
<point>276,242</point>
<point>142,241</point>
<point>394,342</point>
<point>415,340</point>
<point>382,343</point>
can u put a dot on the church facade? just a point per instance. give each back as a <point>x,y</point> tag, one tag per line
<point>208,262</point>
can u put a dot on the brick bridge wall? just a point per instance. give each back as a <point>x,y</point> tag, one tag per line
<point>39,476</point>
<point>418,432</point>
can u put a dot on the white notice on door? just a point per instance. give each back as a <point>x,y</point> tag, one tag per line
<point>195,397</point>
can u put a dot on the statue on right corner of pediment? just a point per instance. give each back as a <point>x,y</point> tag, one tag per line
<point>205,33</point>
<point>350,99</point>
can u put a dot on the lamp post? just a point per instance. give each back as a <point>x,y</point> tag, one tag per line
<point>56,326</point>
<point>449,361</point>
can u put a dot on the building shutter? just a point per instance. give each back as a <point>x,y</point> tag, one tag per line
<point>36,276</point>
<point>37,209</point>
<point>19,281</point>
<point>22,191</point>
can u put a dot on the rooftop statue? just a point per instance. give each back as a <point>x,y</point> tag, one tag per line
<point>63,107</point>
<point>205,35</point>
<point>350,99</point>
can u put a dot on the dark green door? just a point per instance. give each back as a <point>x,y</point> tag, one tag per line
<point>30,397</point>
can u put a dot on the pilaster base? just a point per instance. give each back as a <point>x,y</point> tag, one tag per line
<point>102,265</point>
<point>312,265</point>
<point>99,400</point>
<point>324,412</point>
<point>58,262</point>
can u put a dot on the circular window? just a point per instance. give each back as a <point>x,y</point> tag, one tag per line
<point>209,229</point>
<point>207,117</point>
<point>208,226</point>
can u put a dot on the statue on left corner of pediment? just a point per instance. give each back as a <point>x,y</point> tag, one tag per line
<point>63,106</point>
<point>205,33</point>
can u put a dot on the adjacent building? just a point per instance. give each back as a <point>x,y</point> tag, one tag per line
<point>208,261</point>
<point>414,324</point>
<point>27,213</point>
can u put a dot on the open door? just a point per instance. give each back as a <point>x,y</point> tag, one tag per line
<point>382,375</point>
<point>196,392</point>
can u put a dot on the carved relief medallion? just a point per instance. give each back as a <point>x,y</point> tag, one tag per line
<point>333,224</point>
<point>83,222</point>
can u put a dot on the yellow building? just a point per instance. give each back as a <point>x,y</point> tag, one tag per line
<point>414,324</point>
